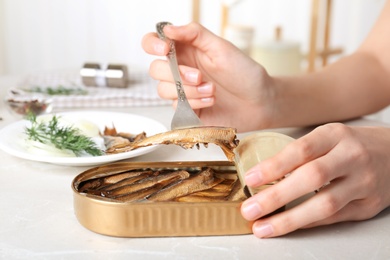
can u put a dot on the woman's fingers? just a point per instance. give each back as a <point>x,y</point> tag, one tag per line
<point>305,149</point>
<point>322,205</point>
<point>167,90</point>
<point>353,185</point>
<point>199,94</point>
<point>153,45</point>
<point>195,34</point>
<point>351,212</point>
<point>305,179</point>
<point>198,103</point>
<point>315,163</point>
<point>160,70</point>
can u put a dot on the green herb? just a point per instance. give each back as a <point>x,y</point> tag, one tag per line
<point>64,138</point>
<point>58,90</point>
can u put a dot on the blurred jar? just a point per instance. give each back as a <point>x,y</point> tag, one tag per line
<point>241,36</point>
<point>279,57</point>
<point>114,75</point>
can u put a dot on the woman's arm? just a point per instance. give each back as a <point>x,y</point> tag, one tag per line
<point>353,86</point>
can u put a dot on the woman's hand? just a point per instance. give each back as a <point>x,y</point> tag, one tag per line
<point>223,85</point>
<point>349,166</point>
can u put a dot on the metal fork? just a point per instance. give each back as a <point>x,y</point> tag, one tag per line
<point>184,116</point>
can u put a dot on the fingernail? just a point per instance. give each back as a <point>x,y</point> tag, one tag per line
<point>191,76</point>
<point>251,210</point>
<point>253,177</point>
<point>262,230</point>
<point>171,26</point>
<point>205,88</point>
<point>159,49</point>
<point>207,100</point>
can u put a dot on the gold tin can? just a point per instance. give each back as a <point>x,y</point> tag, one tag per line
<point>166,219</point>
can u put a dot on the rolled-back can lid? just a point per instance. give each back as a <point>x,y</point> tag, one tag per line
<point>255,148</point>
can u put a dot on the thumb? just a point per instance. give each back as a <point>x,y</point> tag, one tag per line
<point>193,33</point>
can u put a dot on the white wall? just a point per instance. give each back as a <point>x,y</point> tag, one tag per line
<point>63,34</point>
<point>57,34</point>
<point>2,42</point>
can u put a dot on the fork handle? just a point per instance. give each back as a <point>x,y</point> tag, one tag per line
<point>172,61</point>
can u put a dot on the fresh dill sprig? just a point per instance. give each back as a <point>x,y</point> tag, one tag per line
<point>57,90</point>
<point>62,137</point>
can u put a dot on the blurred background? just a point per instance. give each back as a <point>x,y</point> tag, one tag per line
<point>287,37</point>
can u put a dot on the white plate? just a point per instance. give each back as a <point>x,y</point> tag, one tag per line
<point>10,137</point>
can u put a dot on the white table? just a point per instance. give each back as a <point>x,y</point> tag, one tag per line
<point>37,220</point>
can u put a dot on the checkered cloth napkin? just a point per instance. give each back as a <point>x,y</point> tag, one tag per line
<point>141,91</point>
